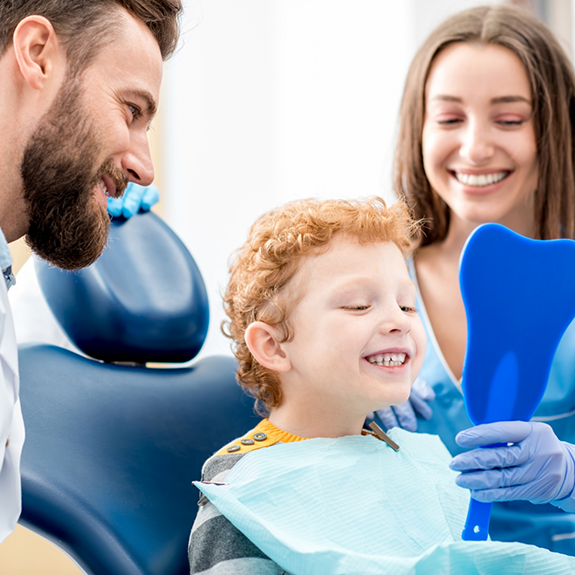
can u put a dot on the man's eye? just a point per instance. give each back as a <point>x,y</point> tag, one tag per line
<point>135,111</point>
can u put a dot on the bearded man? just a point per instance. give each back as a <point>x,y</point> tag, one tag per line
<point>80,81</point>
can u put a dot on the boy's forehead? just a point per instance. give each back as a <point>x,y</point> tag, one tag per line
<point>344,256</point>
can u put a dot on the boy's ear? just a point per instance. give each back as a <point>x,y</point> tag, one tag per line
<point>263,342</point>
<point>37,49</point>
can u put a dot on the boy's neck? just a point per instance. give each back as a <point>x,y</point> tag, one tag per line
<point>309,425</point>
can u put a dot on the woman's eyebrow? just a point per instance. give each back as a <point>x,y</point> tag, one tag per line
<point>498,100</point>
<point>510,99</point>
<point>445,98</point>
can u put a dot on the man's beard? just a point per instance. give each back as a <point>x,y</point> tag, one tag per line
<point>68,226</point>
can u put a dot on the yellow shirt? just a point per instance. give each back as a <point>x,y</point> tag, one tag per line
<point>264,435</point>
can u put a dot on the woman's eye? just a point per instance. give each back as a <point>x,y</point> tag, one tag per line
<point>449,121</point>
<point>510,122</point>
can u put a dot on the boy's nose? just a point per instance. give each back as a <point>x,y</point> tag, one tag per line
<point>395,320</point>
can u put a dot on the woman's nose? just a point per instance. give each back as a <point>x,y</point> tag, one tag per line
<point>476,144</point>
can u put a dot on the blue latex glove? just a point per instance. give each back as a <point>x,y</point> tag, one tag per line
<point>536,467</point>
<point>135,198</point>
<point>405,415</point>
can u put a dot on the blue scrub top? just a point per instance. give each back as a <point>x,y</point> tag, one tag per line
<point>542,525</point>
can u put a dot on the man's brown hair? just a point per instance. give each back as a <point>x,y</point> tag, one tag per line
<point>83,26</point>
<point>553,99</point>
<point>266,264</point>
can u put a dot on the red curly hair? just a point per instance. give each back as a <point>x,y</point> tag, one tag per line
<point>271,256</point>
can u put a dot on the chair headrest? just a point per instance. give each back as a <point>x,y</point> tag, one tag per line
<point>143,300</point>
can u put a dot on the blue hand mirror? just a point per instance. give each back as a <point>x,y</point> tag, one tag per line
<point>519,297</point>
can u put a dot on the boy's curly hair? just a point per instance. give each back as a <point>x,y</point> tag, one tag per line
<point>272,255</point>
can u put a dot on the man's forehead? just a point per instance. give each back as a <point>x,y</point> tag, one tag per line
<point>131,61</point>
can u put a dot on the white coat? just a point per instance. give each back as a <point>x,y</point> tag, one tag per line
<point>11,423</point>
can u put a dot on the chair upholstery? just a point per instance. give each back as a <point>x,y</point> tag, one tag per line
<point>143,300</point>
<point>111,450</point>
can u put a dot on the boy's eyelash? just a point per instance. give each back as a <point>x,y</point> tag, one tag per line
<point>407,308</point>
<point>356,307</point>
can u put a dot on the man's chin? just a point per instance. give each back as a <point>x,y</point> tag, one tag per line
<point>73,251</point>
<point>67,261</point>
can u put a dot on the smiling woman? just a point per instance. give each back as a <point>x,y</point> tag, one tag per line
<point>479,149</point>
<point>488,135</point>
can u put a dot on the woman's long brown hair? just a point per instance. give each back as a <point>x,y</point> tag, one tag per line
<point>553,92</point>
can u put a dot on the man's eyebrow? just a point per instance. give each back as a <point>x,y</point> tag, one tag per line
<point>151,107</point>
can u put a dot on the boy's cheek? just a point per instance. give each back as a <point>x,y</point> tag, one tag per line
<point>420,340</point>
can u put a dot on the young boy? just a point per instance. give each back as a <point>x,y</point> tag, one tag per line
<point>325,330</point>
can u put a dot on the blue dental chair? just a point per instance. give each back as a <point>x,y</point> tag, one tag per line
<point>111,448</point>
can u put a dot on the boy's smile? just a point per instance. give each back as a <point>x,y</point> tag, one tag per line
<point>358,342</point>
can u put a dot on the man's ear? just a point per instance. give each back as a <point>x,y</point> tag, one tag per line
<point>263,342</point>
<point>37,50</point>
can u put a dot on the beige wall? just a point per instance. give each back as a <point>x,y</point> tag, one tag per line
<point>24,552</point>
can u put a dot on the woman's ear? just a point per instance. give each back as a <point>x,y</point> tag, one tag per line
<point>263,342</point>
<point>37,50</point>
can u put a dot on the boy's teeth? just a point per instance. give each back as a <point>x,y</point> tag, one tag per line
<point>480,179</point>
<point>387,359</point>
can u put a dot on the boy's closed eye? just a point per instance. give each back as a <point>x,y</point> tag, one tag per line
<point>408,309</point>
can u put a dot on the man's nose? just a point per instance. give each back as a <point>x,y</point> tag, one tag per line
<point>476,144</point>
<point>137,162</point>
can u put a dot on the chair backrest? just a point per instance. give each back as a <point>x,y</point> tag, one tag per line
<point>111,449</point>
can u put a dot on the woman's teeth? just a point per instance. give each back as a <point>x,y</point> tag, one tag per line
<point>387,359</point>
<point>480,180</point>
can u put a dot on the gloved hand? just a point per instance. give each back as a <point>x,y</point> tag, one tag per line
<point>135,198</point>
<point>404,415</point>
<point>537,467</point>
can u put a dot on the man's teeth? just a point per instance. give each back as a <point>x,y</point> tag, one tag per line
<point>387,359</point>
<point>103,186</point>
<point>480,179</point>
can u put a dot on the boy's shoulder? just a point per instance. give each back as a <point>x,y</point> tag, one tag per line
<point>263,435</point>
<point>218,465</point>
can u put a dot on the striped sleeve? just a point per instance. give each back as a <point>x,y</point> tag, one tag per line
<point>217,547</point>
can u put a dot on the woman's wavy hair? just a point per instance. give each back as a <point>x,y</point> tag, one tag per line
<point>261,272</point>
<point>553,92</point>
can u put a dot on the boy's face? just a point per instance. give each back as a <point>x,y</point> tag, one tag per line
<point>358,342</point>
